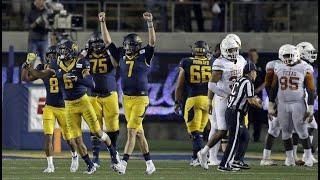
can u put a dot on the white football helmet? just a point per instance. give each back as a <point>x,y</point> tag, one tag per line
<point>236,38</point>
<point>229,49</point>
<point>289,54</point>
<point>307,51</point>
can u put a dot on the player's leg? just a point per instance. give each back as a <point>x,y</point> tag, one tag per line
<point>213,152</point>
<point>273,132</point>
<point>312,127</point>
<point>73,120</point>
<point>90,117</point>
<point>192,117</point>
<point>144,147</point>
<point>48,127</point>
<point>286,125</point>
<point>111,116</point>
<point>221,104</point>
<point>295,142</point>
<point>244,137</point>
<point>60,114</point>
<point>299,110</point>
<point>95,141</point>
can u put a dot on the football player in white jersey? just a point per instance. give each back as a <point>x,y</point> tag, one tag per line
<point>308,54</point>
<point>225,71</point>
<point>274,126</point>
<point>290,80</point>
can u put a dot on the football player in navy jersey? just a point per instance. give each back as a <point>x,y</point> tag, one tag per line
<point>134,62</point>
<point>54,108</point>
<point>72,71</point>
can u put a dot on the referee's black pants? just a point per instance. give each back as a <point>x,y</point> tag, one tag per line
<point>234,120</point>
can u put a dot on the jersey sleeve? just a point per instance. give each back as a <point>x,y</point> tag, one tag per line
<point>83,64</point>
<point>217,66</point>
<point>269,66</point>
<point>182,63</point>
<point>249,88</point>
<point>309,69</point>
<point>149,52</point>
<point>114,51</point>
<point>40,67</point>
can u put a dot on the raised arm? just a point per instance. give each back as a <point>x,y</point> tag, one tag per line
<point>152,34</point>
<point>104,31</point>
<point>25,76</point>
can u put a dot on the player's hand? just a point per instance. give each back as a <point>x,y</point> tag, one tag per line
<point>271,109</point>
<point>25,65</point>
<point>71,77</point>
<point>210,108</point>
<point>308,115</point>
<point>147,16</point>
<point>177,108</point>
<point>102,16</point>
<point>31,57</point>
<point>258,102</point>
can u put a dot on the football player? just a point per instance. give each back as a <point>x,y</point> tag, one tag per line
<point>290,80</point>
<point>274,126</point>
<point>308,54</point>
<point>225,71</point>
<point>53,110</point>
<point>74,78</point>
<point>103,97</point>
<point>134,62</point>
<point>194,73</point>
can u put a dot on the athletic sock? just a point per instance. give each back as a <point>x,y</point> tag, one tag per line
<point>87,160</point>
<point>113,137</point>
<point>196,143</point>
<point>289,154</point>
<point>205,149</point>
<point>95,147</point>
<point>74,154</point>
<point>113,153</point>
<point>126,157</point>
<point>147,156</point>
<point>295,148</point>
<point>311,138</point>
<point>50,161</point>
<point>266,154</point>
<point>307,153</point>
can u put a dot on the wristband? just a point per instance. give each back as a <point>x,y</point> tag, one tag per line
<point>150,24</point>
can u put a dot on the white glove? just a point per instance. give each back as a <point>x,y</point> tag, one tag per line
<point>310,110</point>
<point>216,8</point>
<point>271,109</point>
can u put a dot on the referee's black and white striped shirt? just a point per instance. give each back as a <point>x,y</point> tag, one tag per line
<point>241,90</point>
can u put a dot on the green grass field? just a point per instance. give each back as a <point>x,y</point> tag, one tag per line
<point>32,169</point>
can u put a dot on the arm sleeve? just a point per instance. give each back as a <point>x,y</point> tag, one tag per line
<point>114,51</point>
<point>149,53</point>
<point>249,89</point>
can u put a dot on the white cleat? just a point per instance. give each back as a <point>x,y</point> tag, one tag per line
<point>267,162</point>
<point>214,162</point>
<point>194,162</point>
<point>150,167</point>
<point>314,160</point>
<point>120,167</point>
<point>91,170</point>
<point>203,159</point>
<point>74,164</point>
<point>289,162</point>
<point>49,169</point>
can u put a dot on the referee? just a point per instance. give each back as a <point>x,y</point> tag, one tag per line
<point>242,93</point>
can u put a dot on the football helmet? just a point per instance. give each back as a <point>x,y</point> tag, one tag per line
<point>289,54</point>
<point>229,49</point>
<point>132,43</point>
<point>200,48</point>
<point>51,54</point>
<point>236,38</point>
<point>67,50</point>
<point>307,52</point>
<point>95,43</point>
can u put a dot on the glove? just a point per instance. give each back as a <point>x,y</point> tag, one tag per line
<point>39,20</point>
<point>309,113</point>
<point>31,57</point>
<point>271,109</point>
<point>25,65</point>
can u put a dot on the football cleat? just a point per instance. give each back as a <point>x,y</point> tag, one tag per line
<point>203,159</point>
<point>228,169</point>
<point>74,164</point>
<point>240,164</point>
<point>91,170</point>
<point>289,162</point>
<point>315,161</point>
<point>96,162</point>
<point>267,162</point>
<point>49,169</point>
<point>150,167</point>
<point>213,162</point>
<point>194,162</point>
<point>120,167</point>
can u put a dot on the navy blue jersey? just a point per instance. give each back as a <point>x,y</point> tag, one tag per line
<point>197,75</point>
<point>72,90</point>
<point>133,69</point>
<point>54,93</point>
<point>103,74</point>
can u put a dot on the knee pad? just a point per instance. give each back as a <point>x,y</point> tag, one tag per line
<point>275,132</point>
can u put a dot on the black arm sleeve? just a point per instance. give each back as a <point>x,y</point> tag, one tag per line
<point>114,51</point>
<point>149,53</point>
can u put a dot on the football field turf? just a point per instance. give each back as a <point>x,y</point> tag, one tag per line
<point>31,168</point>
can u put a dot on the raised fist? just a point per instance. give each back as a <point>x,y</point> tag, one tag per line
<point>102,16</point>
<point>31,57</point>
<point>147,16</point>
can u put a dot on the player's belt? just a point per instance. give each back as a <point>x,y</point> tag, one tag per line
<point>134,93</point>
<point>100,94</point>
